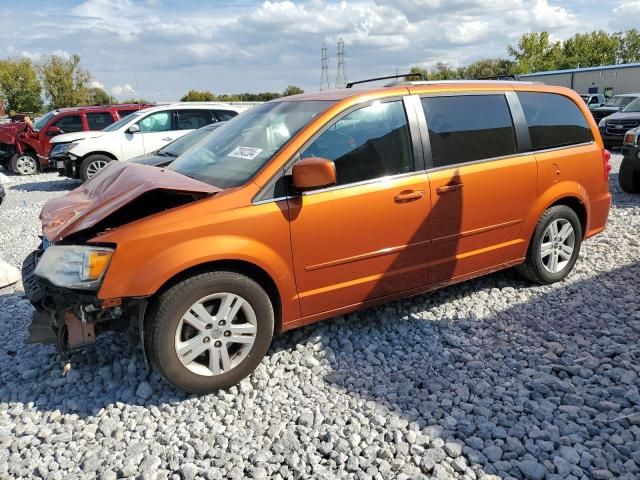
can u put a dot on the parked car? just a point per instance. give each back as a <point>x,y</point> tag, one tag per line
<point>613,105</point>
<point>593,100</point>
<point>614,127</point>
<point>82,155</point>
<point>317,205</point>
<point>24,146</point>
<point>167,154</point>
<point>629,175</point>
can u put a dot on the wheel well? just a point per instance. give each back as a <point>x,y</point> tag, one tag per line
<point>252,271</point>
<point>577,206</point>
<point>106,154</point>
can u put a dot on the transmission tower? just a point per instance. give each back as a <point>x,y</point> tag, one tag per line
<point>341,76</point>
<point>324,76</point>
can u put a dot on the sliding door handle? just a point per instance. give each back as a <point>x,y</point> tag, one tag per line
<point>448,188</point>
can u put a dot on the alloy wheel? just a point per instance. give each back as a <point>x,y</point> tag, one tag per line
<point>216,334</point>
<point>94,167</point>
<point>26,165</point>
<point>558,243</point>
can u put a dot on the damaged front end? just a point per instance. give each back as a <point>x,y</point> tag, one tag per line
<point>62,278</point>
<point>73,318</point>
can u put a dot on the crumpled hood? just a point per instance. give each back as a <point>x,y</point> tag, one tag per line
<point>117,185</point>
<point>9,131</point>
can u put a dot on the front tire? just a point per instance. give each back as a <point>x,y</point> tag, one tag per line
<point>209,331</point>
<point>555,246</point>
<point>629,177</point>
<point>92,165</point>
<point>24,164</point>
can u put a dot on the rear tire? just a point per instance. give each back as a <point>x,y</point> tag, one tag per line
<point>24,164</point>
<point>92,165</point>
<point>209,331</point>
<point>554,247</point>
<point>629,177</point>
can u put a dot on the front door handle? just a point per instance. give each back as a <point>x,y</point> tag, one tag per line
<point>448,188</point>
<point>167,139</point>
<point>409,196</point>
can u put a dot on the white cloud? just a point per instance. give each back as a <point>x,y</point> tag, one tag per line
<point>93,83</point>
<point>122,90</point>
<point>626,15</point>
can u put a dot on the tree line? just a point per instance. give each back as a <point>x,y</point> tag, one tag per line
<point>537,52</point>
<point>54,82</point>
<point>207,96</point>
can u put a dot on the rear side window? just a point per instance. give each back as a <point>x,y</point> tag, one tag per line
<point>467,128</point>
<point>192,119</point>
<point>99,120</point>
<point>371,142</point>
<point>554,120</point>
<point>124,113</point>
<point>224,115</point>
<point>70,124</point>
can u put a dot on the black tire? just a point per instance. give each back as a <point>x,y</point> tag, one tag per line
<point>165,317</point>
<point>629,177</point>
<point>18,169</point>
<point>533,268</point>
<point>89,165</point>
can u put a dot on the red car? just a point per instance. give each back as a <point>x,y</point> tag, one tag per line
<point>24,147</point>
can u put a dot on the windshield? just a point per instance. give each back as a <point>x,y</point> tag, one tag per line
<point>234,152</point>
<point>123,121</point>
<point>618,101</point>
<point>181,145</point>
<point>632,107</point>
<point>43,120</point>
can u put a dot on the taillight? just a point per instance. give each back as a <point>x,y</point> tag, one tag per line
<point>606,165</point>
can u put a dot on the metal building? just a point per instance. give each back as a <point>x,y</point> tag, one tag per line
<point>609,80</point>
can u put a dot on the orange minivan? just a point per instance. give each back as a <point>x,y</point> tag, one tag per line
<point>316,205</point>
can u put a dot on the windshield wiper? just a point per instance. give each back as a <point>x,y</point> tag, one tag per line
<point>164,153</point>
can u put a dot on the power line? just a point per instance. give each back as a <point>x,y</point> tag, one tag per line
<point>324,76</point>
<point>341,76</point>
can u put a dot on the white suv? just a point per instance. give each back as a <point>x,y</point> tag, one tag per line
<point>83,154</point>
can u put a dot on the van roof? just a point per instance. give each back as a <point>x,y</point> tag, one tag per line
<point>339,94</point>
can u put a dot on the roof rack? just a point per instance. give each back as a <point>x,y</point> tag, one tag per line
<point>422,77</point>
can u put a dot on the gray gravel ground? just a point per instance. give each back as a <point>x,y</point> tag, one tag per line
<point>493,378</point>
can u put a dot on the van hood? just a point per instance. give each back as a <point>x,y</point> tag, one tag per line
<point>100,202</point>
<point>623,116</point>
<point>75,136</point>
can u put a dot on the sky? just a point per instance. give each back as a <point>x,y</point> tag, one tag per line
<point>158,49</point>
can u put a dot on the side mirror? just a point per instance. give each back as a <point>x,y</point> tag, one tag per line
<point>311,173</point>
<point>53,131</point>
<point>133,128</point>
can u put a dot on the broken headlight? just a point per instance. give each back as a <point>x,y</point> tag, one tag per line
<point>74,266</point>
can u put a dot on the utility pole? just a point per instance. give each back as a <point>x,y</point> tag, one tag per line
<point>324,76</point>
<point>341,76</point>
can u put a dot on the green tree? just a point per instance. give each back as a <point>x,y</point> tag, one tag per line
<point>198,96</point>
<point>417,71</point>
<point>292,90</point>
<point>64,81</point>
<point>97,96</point>
<point>20,86</point>
<point>629,47</point>
<point>443,71</point>
<point>489,67</point>
<point>135,100</point>
<point>590,50</point>
<point>535,52</point>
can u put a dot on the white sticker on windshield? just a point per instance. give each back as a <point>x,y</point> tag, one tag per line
<point>248,153</point>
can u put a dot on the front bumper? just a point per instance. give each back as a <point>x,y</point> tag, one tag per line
<point>65,165</point>
<point>72,318</point>
<point>611,140</point>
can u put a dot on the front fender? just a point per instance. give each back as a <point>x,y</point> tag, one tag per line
<point>164,264</point>
<point>555,193</point>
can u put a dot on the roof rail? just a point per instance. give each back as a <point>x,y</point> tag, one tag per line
<point>500,77</point>
<point>422,77</point>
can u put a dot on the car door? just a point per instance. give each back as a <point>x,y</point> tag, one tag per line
<point>156,130</point>
<point>481,187</point>
<point>67,124</point>
<point>365,237</point>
